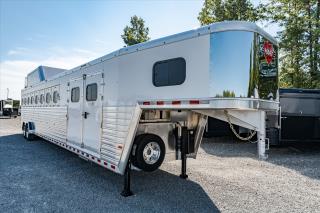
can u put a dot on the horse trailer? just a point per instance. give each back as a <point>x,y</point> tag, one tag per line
<point>139,105</point>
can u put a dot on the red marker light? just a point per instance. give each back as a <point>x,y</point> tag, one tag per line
<point>160,103</point>
<point>146,103</point>
<point>176,102</point>
<point>194,102</point>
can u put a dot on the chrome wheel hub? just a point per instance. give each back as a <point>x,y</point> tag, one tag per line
<point>151,153</point>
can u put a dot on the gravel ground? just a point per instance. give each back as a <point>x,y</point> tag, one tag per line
<point>38,176</point>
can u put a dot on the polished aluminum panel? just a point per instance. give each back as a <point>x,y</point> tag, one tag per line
<point>242,64</point>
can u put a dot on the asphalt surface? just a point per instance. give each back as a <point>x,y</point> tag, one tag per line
<point>38,176</point>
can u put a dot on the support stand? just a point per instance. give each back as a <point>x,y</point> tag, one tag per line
<point>184,141</point>
<point>262,137</point>
<point>126,192</point>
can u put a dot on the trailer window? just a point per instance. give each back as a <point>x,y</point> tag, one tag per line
<point>169,72</point>
<point>75,94</point>
<point>41,98</point>
<point>56,97</point>
<point>91,92</point>
<point>48,98</point>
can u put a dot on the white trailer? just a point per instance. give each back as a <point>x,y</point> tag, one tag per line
<point>143,103</point>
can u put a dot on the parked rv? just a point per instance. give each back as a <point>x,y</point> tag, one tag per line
<point>142,104</point>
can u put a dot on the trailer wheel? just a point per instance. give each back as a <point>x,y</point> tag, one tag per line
<point>26,134</point>
<point>148,152</point>
<point>23,130</point>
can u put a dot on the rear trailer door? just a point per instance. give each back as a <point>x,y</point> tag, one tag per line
<point>92,111</point>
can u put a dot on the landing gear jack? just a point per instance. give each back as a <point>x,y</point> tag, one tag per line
<point>126,192</point>
<point>184,141</point>
<point>183,174</point>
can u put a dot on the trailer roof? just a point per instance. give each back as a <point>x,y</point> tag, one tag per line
<point>299,91</point>
<point>215,27</point>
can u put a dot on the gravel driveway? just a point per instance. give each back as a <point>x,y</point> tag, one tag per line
<point>38,176</point>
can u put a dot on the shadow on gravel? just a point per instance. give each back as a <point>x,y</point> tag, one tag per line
<point>304,157</point>
<point>38,176</point>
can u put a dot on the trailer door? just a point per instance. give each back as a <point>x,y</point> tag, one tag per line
<point>75,100</point>
<point>92,111</point>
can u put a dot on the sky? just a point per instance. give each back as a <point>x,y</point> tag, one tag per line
<point>65,34</point>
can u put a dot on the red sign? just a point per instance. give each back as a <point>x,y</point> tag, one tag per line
<point>268,51</point>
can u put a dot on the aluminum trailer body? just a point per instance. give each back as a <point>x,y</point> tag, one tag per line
<point>159,94</point>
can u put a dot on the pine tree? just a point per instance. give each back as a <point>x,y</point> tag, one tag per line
<point>136,32</point>
<point>223,10</point>
<point>299,41</point>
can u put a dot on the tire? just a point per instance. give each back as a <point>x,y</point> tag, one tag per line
<point>23,130</point>
<point>27,135</point>
<point>148,152</point>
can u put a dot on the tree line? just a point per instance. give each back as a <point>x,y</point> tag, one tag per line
<point>299,34</point>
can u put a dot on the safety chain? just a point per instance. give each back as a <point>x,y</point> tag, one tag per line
<point>252,134</point>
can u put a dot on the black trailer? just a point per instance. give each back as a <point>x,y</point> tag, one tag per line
<point>299,118</point>
<point>300,115</point>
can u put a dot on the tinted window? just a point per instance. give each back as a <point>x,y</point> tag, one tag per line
<point>41,98</point>
<point>48,98</point>
<point>75,94</point>
<point>169,72</point>
<point>91,92</point>
<point>56,97</point>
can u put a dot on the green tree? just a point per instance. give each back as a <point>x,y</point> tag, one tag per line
<point>299,41</point>
<point>222,10</point>
<point>136,32</point>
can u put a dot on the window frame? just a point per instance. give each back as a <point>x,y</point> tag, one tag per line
<point>48,94</point>
<point>167,61</point>
<point>42,99</point>
<point>36,100</point>
<point>96,92</point>
<point>55,97</point>
<point>71,95</point>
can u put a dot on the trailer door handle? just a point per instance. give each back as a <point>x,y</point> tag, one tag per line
<point>85,115</point>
